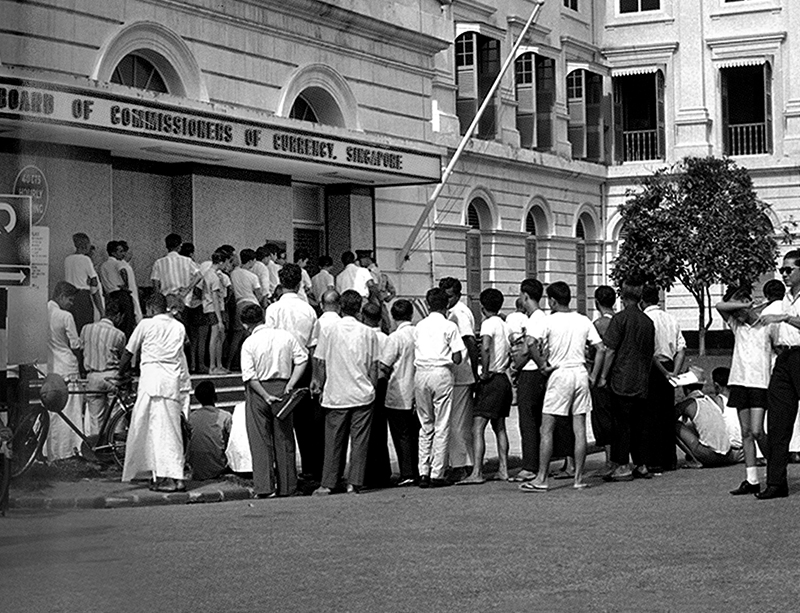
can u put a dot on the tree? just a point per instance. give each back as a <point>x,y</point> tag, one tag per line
<point>699,223</point>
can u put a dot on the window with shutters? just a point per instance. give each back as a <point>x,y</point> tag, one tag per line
<point>580,268</point>
<point>137,71</point>
<point>586,128</point>
<point>639,119</point>
<point>531,257</point>
<point>477,67</point>
<point>535,90</point>
<point>747,109</point>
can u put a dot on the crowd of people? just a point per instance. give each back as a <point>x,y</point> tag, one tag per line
<point>335,362</point>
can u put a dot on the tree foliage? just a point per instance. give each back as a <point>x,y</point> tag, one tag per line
<point>699,223</point>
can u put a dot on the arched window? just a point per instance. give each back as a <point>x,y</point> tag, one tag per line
<point>531,248</point>
<point>138,72</point>
<point>473,219</point>
<point>303,111</point>
<point>580,267</point>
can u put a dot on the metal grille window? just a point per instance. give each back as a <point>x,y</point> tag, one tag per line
<point>139,72</point>
<point>747,109</point>
<point>473,219</point>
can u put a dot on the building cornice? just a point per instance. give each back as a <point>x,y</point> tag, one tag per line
<point>475,8</point>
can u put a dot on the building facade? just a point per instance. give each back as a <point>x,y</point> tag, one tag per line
<point>326,125</point>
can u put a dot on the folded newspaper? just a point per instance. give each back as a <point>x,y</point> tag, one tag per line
<point>687,378</point>
<point>283,408</point>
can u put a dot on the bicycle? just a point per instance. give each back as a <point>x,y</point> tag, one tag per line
<point>108,446</point>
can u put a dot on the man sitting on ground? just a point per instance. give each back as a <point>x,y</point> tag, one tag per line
<point>210,429</point>
<point>701,431</point>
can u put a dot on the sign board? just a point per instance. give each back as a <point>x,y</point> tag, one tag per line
<point>31,182</point>
<point>15,240</point>
<point>27,306</point>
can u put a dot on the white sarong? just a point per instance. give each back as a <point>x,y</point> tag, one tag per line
<point>63,441</point>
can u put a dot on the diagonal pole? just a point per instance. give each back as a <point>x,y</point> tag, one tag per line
<point>405,252</point>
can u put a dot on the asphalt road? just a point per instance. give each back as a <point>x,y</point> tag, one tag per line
<point>674,543</point>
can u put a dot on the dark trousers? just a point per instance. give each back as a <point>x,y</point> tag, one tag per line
<point>82,309</point>
<point>338,424</point>
<point>661,414</point>
<point>271,444</point>
<point>309,427</point>
<point>602,417</point>
<point>629,441</point>
<point>404,427</point>
<point>530,396</point>
<point>379,467</point>
<point>782,398</point>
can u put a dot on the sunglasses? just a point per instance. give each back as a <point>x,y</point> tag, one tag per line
<point>786,270</point>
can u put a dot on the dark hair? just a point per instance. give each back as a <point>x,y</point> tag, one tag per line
<point>324,260</point>
<point>436,299</point>
<point>350,301</point>
<point>81,239</point>
<point>157,302</point>
<point>290,276</point>
<point>252,314</point>
<point>65,289</point>
<point>774,290</point>
<point>736,292</point>
<point>247,255</point>
<point>402,310</point>
<point>631,290</point>
<point>559,291</point>
<point>794,254</point>
<point>650,294</point>
<point>228,249</point>
<point>206,393</point>
<point>605,296</point>
<point>371,313</point>
<point>123,244</point>
<point>452,283</point>
<point>301,254</point>
<point>532,288</point>
<point>111,247</point>
<point>261,253</point>
<point>218,257</point>
<point>720,375</point>
<point>187,249</point>
<point>113,308</point>
<point>173,241</point>
<point>348,257</point>
<point>492,300</point>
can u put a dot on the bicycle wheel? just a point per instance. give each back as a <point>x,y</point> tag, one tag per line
<point>118,435</point>
<point>29,437</point>
<point>5,479</point>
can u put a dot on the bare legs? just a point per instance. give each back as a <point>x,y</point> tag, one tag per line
<point>479,446</point>
<point>546,449</point>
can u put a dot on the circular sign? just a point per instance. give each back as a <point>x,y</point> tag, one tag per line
<point>31,182</point>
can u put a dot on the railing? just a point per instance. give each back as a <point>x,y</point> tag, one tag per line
<point>641,145</point>
<point>747,139</point>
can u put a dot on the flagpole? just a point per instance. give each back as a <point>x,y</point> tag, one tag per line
<point>405,252</point>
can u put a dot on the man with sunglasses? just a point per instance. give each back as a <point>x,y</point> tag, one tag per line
<point>784,385</point>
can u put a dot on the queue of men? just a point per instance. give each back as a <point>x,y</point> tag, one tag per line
<point>435,384</point>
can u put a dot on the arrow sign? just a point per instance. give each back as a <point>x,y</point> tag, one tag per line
<point>16,276</point>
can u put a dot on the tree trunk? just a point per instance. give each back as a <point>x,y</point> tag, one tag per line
<point>701,328</point>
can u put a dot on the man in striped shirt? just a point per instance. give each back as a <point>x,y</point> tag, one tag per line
<point>175,274</point>
<point>103,343</point>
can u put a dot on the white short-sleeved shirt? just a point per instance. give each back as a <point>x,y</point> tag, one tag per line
<point>110,275</point>
<point>261,270</point>
<point>354,277</point>
<point>305,285</point>
<point>245,285</point>
<point>435,342</point>
<point>103,345</point>
<point>534,331</point>
<point>78,270</point>
<point>174,272</point>
<point>497,331</point>
<point>270,353</point>
<point>398,354</point>
<point>322,282</point>
<point>751,364</point>
<point>325,321</point>
<point>669,338</point>
<point>789,335</point>
<point>461,315</point>
<point>565,336</point>
<point>212,285</point>
<point>161,340</point>
<point>62,339</point>
<point>274,281</point>
<point>295,315</point>
<point>349,350</point>
<point>134,290</point>
<point>517,323</point>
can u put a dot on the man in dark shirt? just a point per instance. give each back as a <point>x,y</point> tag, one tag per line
<point>629,344</point>
<point>210,428</point>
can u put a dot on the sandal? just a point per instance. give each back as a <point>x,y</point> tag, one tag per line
<point>530,486</point>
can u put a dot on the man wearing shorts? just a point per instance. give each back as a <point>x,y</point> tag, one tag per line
<point>564,336</point>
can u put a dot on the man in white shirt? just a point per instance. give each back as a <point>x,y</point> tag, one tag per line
<point>261,270</point>
<point>461,451</point>
<point>175,274</point>
<point>565,335</point>
<point>670,347</point>
<point>272,364</point>
<point>273,251</point>
<point>155,442</point>
<point>297,317</point>
<point>246,290</point>
<point>354,277</point>
<point>133,288</point>
<point>531,382</point>
<point>114,277</point>
<point>379,467</point>
<point>304,291</point>
<point>346,373</point>
<point>323,280</point>
<point>80,273</point>
<point>397,365</point>
<point>64,358</point>
<point>438,348</point>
